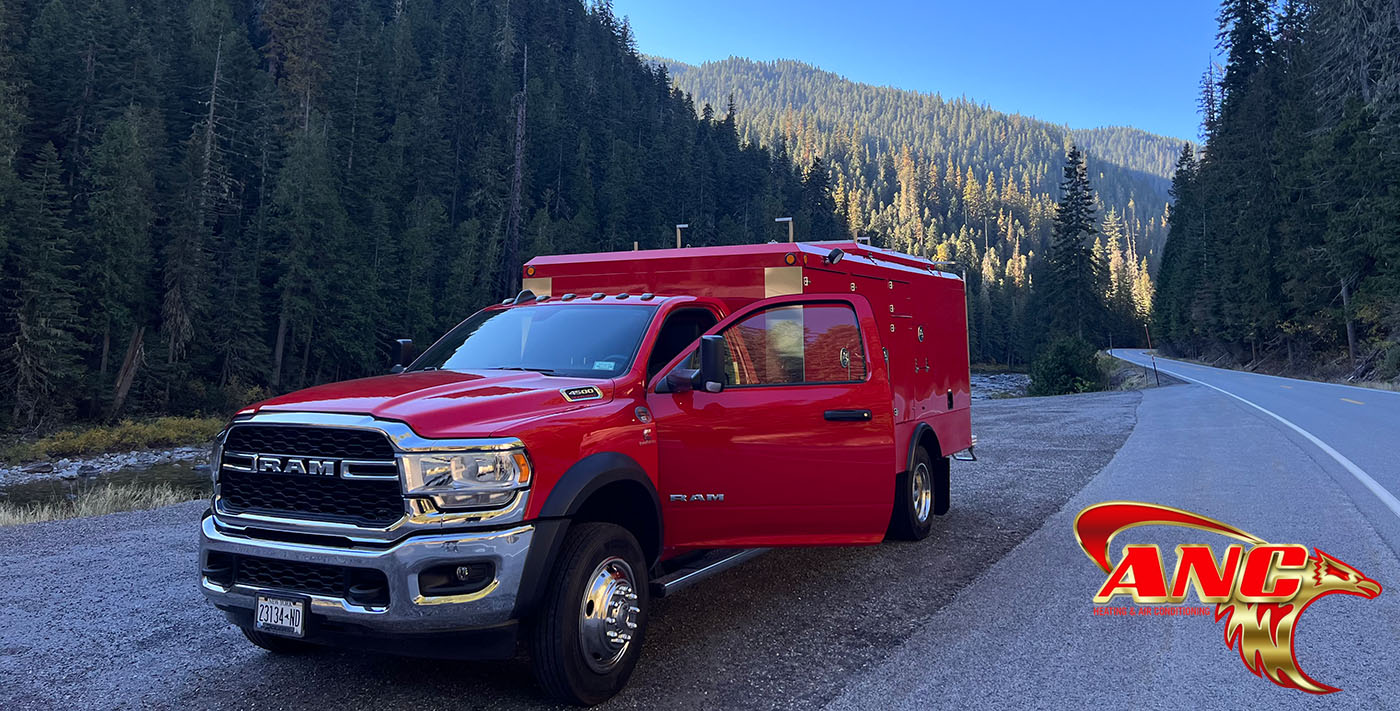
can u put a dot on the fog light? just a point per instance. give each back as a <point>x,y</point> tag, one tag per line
<point>218,568</point>
<point>456,578</point>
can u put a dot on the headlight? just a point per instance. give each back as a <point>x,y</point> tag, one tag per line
<point>461,480</point>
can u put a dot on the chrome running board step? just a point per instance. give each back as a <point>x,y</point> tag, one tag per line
<point>709,565</point>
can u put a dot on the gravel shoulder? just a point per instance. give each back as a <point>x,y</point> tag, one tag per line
<point>105,612</point>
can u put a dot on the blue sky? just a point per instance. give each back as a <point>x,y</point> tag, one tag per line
<point>1084,64</point>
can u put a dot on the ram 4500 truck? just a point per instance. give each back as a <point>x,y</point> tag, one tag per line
<point>628,424</point>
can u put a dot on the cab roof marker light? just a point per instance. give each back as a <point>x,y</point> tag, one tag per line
<point>648,296</point>
<point>597,295</point>
<point>568,297</point>
<point>542,299</point>
<point>622,296</point>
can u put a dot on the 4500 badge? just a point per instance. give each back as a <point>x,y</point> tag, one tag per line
<point>1259,593</point>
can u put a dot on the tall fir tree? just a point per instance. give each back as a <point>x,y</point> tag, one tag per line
<point>115,270</point>
<point>1074,278</point>
<point>42,358</point>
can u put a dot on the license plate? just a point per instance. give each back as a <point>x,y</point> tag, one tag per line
<point>278,616</point>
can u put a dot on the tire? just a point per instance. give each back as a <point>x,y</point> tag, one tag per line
<point>912,518</point>
<point>600,570</point>
<point>276,644</point>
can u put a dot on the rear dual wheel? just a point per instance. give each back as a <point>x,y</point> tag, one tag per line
<point>912,519</point>
<point>587,636</point>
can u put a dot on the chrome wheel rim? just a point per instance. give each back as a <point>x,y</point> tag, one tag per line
<point>921,492</point>
<point>608,614</point>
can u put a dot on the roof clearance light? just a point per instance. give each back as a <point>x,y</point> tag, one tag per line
<point>530,271</point>
<point>790,259</point>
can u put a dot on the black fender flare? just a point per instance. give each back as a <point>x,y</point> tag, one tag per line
<point>590,474</point>
<point>919,431</point>
<point>566,497</point>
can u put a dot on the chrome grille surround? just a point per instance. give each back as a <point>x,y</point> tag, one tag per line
<point>417,514</point>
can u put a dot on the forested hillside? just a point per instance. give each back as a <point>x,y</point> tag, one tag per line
<point>955,180</point>
<point>1133,149</point>
<point>204,200</point>
<point>1285,237</point>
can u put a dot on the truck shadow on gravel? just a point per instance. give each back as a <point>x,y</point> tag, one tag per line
<point>783,631</point>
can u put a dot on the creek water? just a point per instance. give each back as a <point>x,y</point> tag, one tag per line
<point>180,475</point>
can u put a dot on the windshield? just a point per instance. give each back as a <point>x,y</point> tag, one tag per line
<point>577,340</point>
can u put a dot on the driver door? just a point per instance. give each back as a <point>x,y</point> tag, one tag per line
<point>798,448</point>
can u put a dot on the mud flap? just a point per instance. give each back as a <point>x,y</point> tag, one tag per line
<point>941,486</point>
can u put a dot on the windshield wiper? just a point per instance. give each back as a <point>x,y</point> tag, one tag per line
<point>543,371</point>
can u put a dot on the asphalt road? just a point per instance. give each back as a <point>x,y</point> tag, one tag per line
<point>1024,635</point>
<point>104,612</point>
<point>1350,429</point>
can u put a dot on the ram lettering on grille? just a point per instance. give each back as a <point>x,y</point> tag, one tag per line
<point>293,465</point>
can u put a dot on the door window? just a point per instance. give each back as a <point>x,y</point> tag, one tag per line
<point>682,328</point>
<point>794,344</point>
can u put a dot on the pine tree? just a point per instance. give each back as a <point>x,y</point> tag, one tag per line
<point>12,121</point>
<point>116,244</point>
<point>42,360</point>
<point>297,51</point>
<point>307,222</point>
<point>1176,289</point>
<point>1074,278</point>
<point>818,210</point>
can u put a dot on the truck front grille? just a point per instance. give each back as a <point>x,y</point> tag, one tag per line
<point>309,441</point>
<point>244,487</point>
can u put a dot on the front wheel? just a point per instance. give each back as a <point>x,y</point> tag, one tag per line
<point>912,519</point>
<point>587,636</point>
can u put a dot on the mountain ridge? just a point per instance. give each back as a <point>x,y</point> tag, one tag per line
<point>672,63</point>
<point>817,112</point>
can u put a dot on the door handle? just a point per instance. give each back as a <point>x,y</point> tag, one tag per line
<point>847,415</point>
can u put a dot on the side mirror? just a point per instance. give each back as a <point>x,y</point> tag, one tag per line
<point>711,378</point>
<point>403,354</point>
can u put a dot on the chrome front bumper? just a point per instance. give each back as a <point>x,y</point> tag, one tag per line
<point>408,610</point>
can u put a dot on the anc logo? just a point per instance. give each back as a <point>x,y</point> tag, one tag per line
<point>1258,593</point>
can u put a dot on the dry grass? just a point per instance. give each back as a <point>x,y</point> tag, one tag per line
<point>124,436</point>
<point>1122,375</point>
<point>1391,385</point>
<point>96,502</point>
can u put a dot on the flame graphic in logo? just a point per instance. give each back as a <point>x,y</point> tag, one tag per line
<point>1262,632</point>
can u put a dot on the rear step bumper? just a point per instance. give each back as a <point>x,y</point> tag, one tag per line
<point>707,566</point>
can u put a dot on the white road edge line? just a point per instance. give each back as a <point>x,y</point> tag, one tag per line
<point>1381,493</point>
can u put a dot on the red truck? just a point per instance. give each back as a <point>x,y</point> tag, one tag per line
<point>628,424</point>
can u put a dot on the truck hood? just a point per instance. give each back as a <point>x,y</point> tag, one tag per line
<point>443,403</point>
